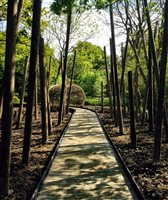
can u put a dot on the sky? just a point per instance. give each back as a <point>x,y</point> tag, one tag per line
<point>102,37</point>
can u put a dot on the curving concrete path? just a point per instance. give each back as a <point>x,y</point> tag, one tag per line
<point>85,167</point>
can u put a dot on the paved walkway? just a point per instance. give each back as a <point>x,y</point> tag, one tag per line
<point>85,167</point>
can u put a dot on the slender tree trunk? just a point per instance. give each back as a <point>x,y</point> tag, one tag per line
<point>138,61</point>
<point>136,93</point>
<point>124,103</point>
<point>141,31</point>
<point>43,91</point>
<point>60,68</point>
<point>144,105</point>
<point>8,91</point>
<point>124,62</point>
<point>120,118</point>
<point>36,98</point>
<point>48,98</point>
<point>112,78</point>
<point>22,93</point>
<point>19,12</point>
<point>62,98</point>
<point>102,98</point>
<point>150,98</point>
<point>32,79</point>
<point>131,106</point>
<point>159,116</point>
<point>70,87</point>
<point>1,99</point>
<point>108,83</point>
<point>153,51</point>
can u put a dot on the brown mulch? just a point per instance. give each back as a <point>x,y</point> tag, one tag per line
<point>152,178</point>
<point>24,179</point>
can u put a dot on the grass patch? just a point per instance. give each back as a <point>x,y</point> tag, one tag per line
<point>93,101</point>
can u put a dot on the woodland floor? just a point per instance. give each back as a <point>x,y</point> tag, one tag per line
<point>151,177</point>
<point>24,180</point>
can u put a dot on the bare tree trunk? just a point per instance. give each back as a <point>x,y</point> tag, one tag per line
<point>124,62</point>
<point>131,107</point>
<point>48,98</point>
<point>36,98</point>
<point>19,11</point>
<point>60,67</point>
<point>124,103</point>
<point>144,105</point>
<point>1,99</point>
<point>62,98</point>
<point>43,91</point>
<point>108,83</point>
<point>120,118</point>
<point>136,93</point>
<point>22,93</point>
<point>8,91</point>
<point>150,98</point>
<point>102,98</point>
<point>70,87</point>
<point>112,78</point>
<point>32,79</point>
<point>159,116</point>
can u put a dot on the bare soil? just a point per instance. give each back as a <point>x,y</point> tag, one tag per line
<point>24,179</point>
<point>152,178</point>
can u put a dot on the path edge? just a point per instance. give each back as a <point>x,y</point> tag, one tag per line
<point>51,157</point>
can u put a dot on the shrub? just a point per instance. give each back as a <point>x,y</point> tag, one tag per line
<point>77,95</point>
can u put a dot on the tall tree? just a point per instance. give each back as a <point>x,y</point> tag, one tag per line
<point>70,87</point>
<point>32,79</point>
<point>8,82</point>
<point>22,93</point>
<point>108,82</point>
<point>43,91</point>
<point>69,14</point>
<point>159,116</point>
<point>119,109</point>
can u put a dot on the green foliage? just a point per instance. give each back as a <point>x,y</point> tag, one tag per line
<point>94,101</point>
<point>88,72</point>
<point>16,100</point>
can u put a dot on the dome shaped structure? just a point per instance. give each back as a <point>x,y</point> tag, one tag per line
<point>77,96</point>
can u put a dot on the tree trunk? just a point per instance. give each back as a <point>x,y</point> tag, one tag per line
<point>119,116</point>
<point>43,91</point>
<point>108,83</point>
<point>102,98</point>
<point>112,78</point>
<point>124,103</point>
<point>22,93</point>
<point>136,93</point>
<point>124,62</point>
<point>159,116</point>
<point>8,91</point>
<point>70,87</point>
<point>131,107</point>
<point>36,98</point>
<point>32,79</point>
<point>59,69</point>
<point>48,98</point>
<point>144,105</point>
<point>150,97</point>
<point>62,98</point>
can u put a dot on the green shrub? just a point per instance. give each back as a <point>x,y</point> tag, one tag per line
<point>16,100</point>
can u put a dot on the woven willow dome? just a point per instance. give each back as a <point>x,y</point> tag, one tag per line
<point>77,95</point>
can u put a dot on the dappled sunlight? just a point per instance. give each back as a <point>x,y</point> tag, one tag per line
<point>85,166</point>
